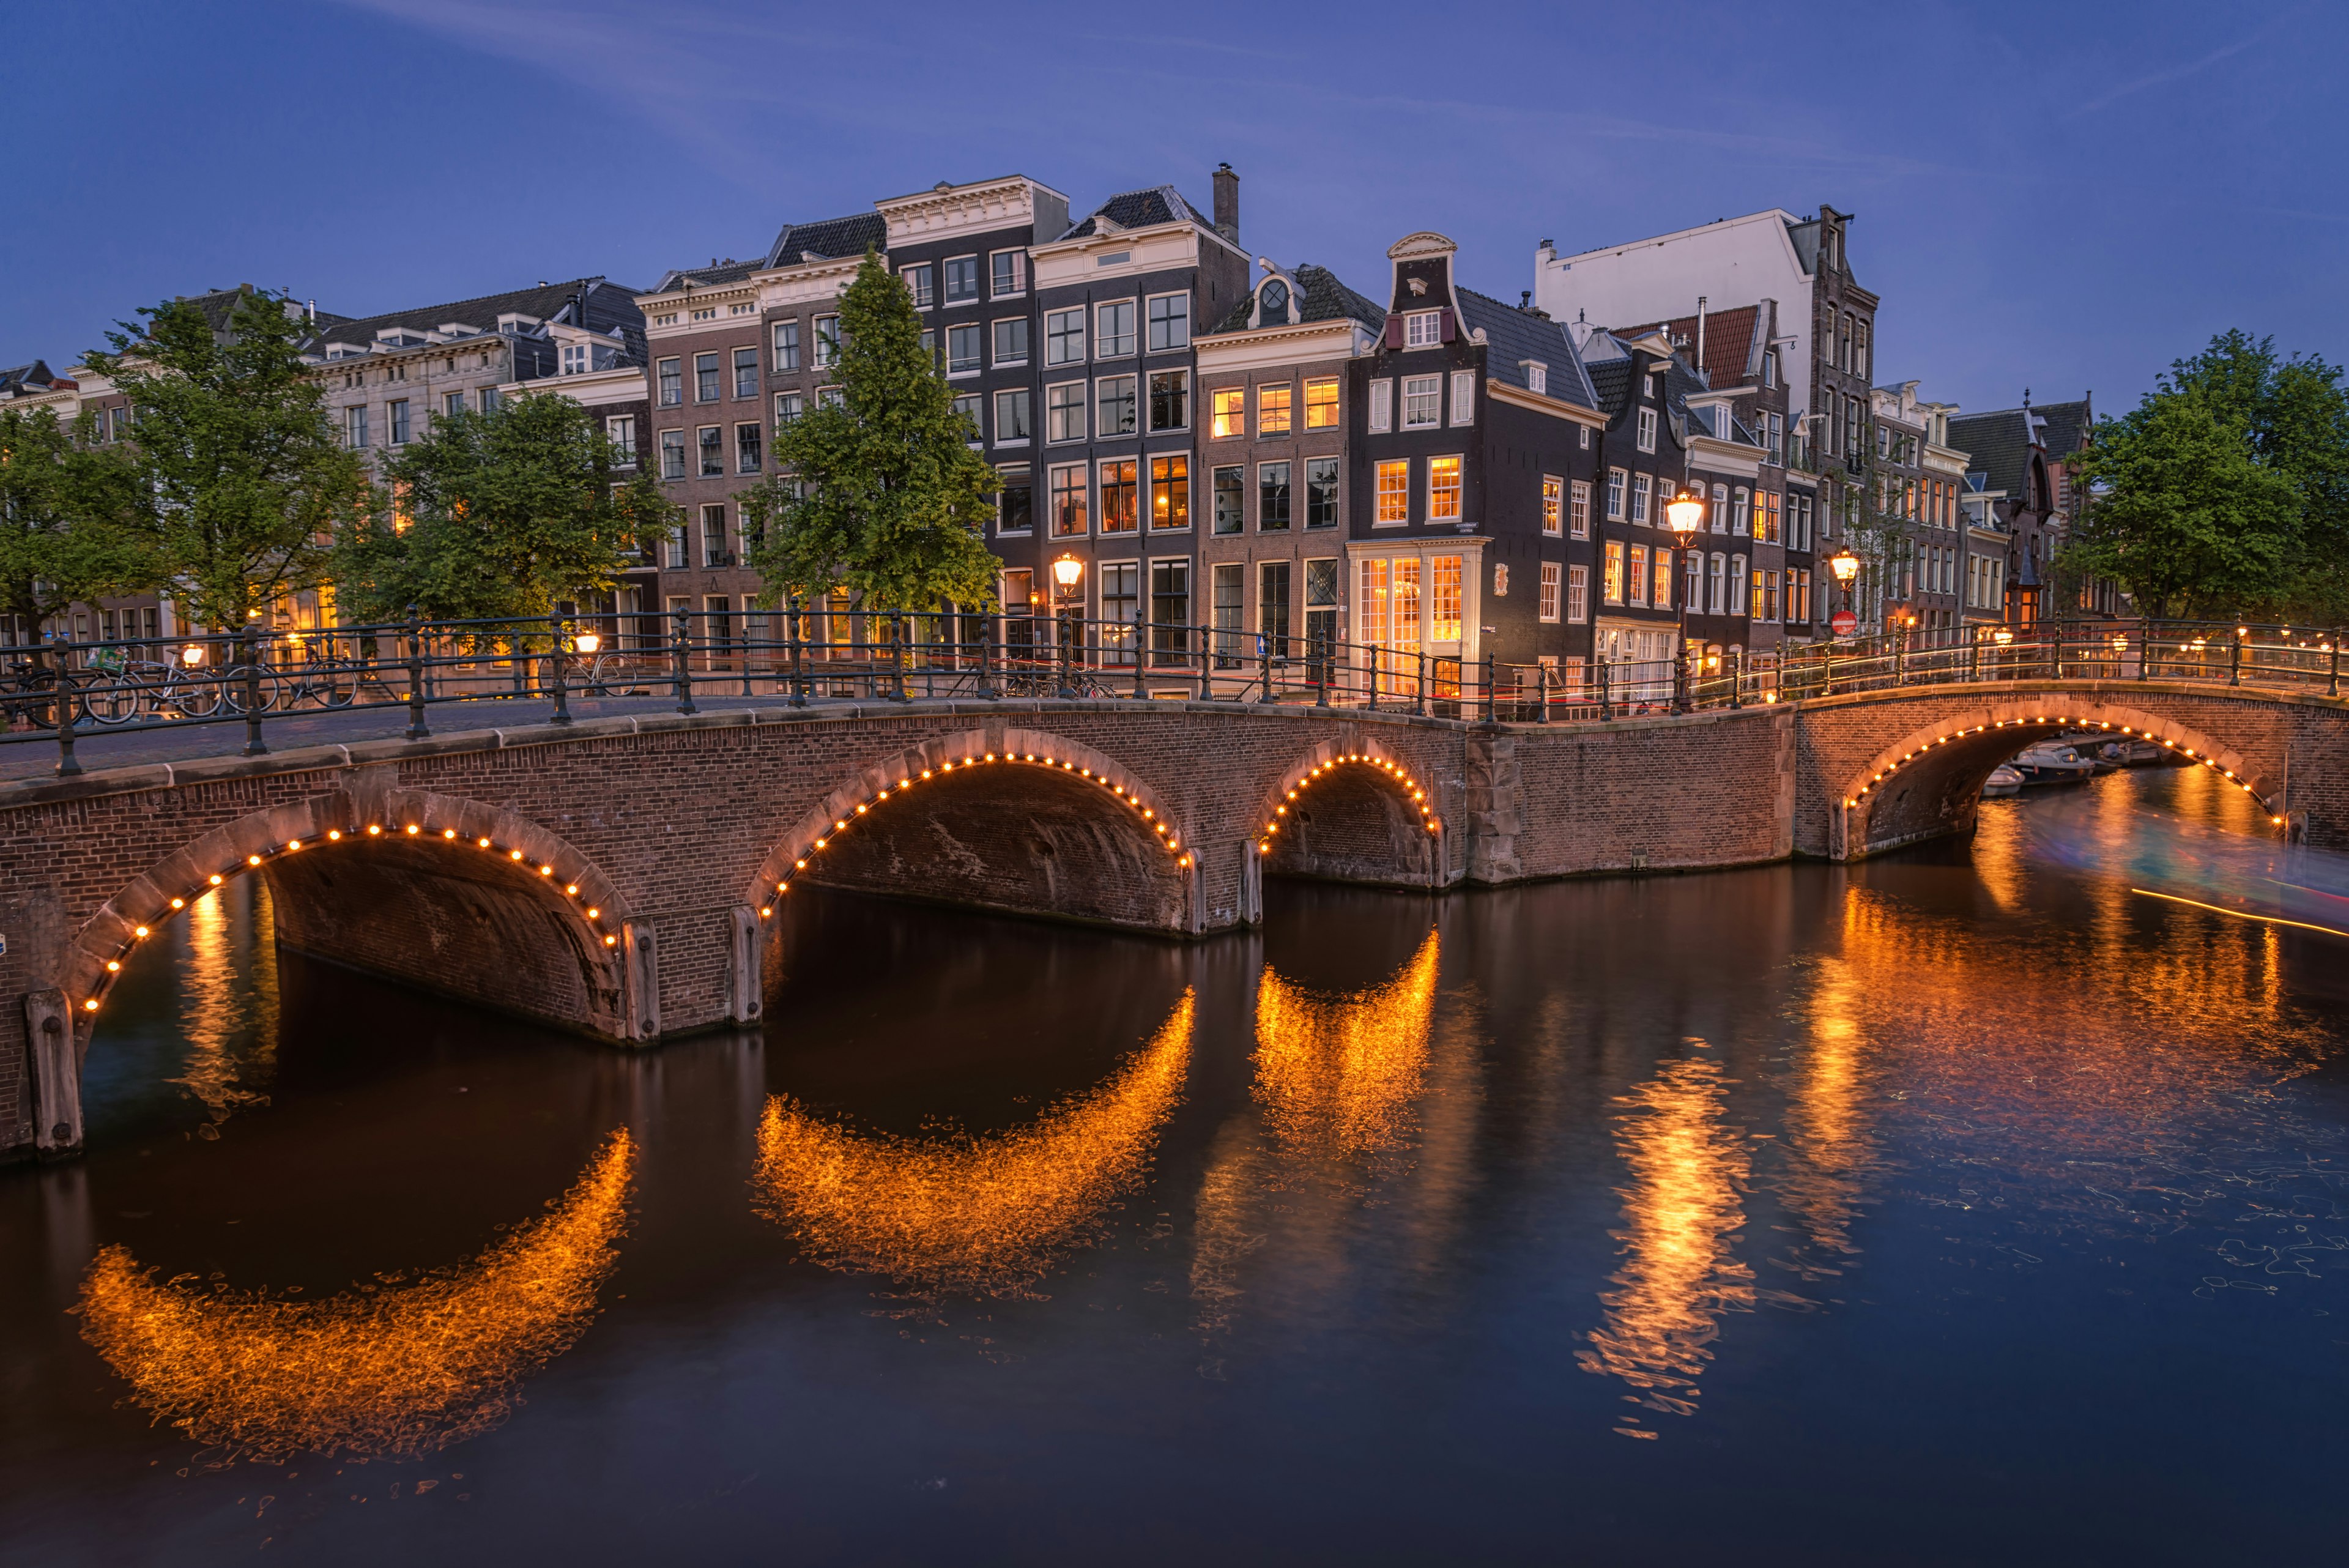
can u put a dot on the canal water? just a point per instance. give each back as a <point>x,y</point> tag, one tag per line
<point>1989,1202</point>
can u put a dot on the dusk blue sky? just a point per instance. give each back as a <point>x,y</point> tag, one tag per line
<point>2057,196</point>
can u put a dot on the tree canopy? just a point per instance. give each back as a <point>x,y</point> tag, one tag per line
<point>499,514</point>
<point>63,512</point>
<point>2226,490</point>
<point>242,481</point>
<point>878,491</point>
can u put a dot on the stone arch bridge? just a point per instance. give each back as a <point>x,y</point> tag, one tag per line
<point>617,876</point>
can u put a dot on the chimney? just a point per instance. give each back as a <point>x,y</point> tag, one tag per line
<point>1228,202</point>
<point>1700,332</point>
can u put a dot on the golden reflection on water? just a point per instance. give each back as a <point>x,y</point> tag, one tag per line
<point>229,1019</point>
<point>963,1214</point>
<point>398,1368</point>
<point>1681,1213</point>
<point>1338,1075</point>
<point>1824,1179</point>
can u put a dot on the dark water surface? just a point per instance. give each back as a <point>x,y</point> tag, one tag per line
<point>1962,1206</point>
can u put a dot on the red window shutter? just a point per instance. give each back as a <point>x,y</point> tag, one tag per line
<point>1395,330</point>
<point>1447,329</point>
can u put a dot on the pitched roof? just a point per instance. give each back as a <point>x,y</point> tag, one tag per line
<point>21,380</point>
<point>1997,445</point>
<point>1139,210</point>
<point>832,239</point>
<point>1513,336</point>
<point>589,302</point>
<point>1733,346</point>
<point>2068,427</point>
<point>1320,296</point>
<point>682,279</point>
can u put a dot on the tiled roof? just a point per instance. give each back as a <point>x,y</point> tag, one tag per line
<point>1731,351</point>
<point>2068,427</point>
<point>680,280</point>
<point>594,303</point>
<point>833,239</point>
<point>18,381</point>
<point>1997,446</point>
<point>1139,210</point>
<point>1321,297</point>
<point>1513,336</point>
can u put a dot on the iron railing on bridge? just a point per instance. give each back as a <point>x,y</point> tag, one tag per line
<point>61,692</point>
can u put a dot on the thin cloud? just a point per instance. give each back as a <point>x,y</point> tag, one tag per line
<point>2180,73</point>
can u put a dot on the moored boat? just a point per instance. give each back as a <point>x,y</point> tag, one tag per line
<point>2003,780</point>
<point>2052,761</point>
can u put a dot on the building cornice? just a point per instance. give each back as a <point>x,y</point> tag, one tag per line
<point>1503,391</point>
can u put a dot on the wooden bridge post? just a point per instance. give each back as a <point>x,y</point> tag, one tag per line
<point>744,991</point>
<point>57,1073</point>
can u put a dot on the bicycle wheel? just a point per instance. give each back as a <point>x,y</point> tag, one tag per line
<point>334,683</point>
<point>31,701</point>
<point>249,686</point>
<point>117,701</point>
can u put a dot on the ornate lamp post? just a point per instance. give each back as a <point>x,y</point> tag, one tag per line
<point>1067,573</point>
<point>1846,566</point>
<point>1685,513</point>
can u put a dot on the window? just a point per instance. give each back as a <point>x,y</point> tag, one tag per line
<point>1064,338</point>
<point>1443,597</point>
<point>1464,397</point>
<point>1536,376</point>
<point>1229,484</point>
<point>921,283</point>
<point>672,455</point>
<point>1637,577</point>
<point>1549,590</point>
<point>1065,411</point>
<point>355,426</point>
<point>1577,594</point>
<point>969,405</point>
<point>1553,505</point>
<point>1014,504</point>
<point>1860,352</point>
<point>1226,586</point>
<point>705,377</point>
<point>620,429</point>
<point>1113,329</point>
<point>1664,595</point>
<point>1272,497</point>
<point>1583,431</point>
<point>827,341</point>
<point>1320,606</point>
<point>1231,411</point>
<point>1641,487</point>
<point>1170,399</point>
<point>672,383</point>
<point>1395,491</point>
<point>1320,492</point>
<point>1011,341</point>
<point>1170,322</point>
<point>1371,603</point>
<point>1614,584</point>
<point>962,279</point>
<point>1170,611</point>
<point>1718,515</point>
<point>491,400</point>
<point>1713,581</point>
<point>1012,415</point>
<point>1272,605</point>
<point>1121,604</point>
<point>1170,491</point>
<point>1578,510</point>
<point>1734,603</point>
<point>1444,490</point>
<point>1007,271</point>
<point>713,452</point>
<point>1272,410</point>
<point>1423,401</point>
<point>1422,329</point>
<point>745,372</point>
<point>1121,499</point>
<point>1114,406</point>
<point>713,537</point>
<point>1068,501</point>
<point>1381,414</point>
<point>962,350</point>
<point>788,405</point>
<point>398,412</point>
<point>1693,591</point>
<point>1646,429</point>
<point>1321,404</point>
<point>787,346</point>
<point>1771,516</point>
<point>451,404</point>
<point>747,454</point>
<point>930,346</point>
<point>1740,519</point>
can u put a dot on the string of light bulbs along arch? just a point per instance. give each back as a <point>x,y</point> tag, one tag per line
<point>1395,770</point>
<point>1170,840</point>
<point>373,831</point>
<point>2209,762</point>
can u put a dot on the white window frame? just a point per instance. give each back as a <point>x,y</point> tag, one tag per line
<point>1100,351</point>
<point>1019,274</point>
<point>1643,490</point>
<point>1578,595</point>
<point>1422,329</point>
<point>1553,505</point>
<point>1084,416</point>
<point>1149,300</point>
<point>1577,504</point>
<point>1381,414</point>
<point>1053,340</point>
<point>1460,489</point>
<point>1001,393</point>
<point>783,344</point>
<point>1434,394</point>
<point>1464,397</point>
<point>1553,589</point>
<point>994,342</point>
<point>1647,438</point>
<point>1619,489</point>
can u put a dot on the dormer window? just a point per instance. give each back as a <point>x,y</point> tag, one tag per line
<point>1422,329</point>
<point>1536,376</point>
<point>575,358</point>
<point>1272,304</point>
<point>515,322</point>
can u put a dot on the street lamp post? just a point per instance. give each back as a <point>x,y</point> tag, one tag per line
<point>1685,513</point>
<point>1067,573</point>
<point>1846,566</point>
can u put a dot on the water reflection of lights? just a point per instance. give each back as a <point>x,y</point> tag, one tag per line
<point>1339,1073</point>
<point>963,1214</point>
<point>398,1368</point>
<point>1829,1151</point>
<point>1681,1213</point>
<point>230,1019</point>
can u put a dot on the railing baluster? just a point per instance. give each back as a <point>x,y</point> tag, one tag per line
<point>684,651</point>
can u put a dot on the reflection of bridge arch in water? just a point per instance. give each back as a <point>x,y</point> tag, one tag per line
<point>1340,1073</point>
<point>396,1370</point>
<point>964,1214</point>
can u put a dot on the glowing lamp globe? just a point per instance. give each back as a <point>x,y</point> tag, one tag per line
<point>587,641</point>
<point>1846,565</point>
<point>1067,570</point>
<point>1685,513</point>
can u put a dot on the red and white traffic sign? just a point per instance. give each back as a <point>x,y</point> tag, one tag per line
<point>1844,623</point>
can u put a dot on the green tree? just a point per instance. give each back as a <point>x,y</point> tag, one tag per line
<point>242,483</point>
<point>62,508</point>
<point>500,515</point>
<point>2236,466</point>
<point>880,493</point>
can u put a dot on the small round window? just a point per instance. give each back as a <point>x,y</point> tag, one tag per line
<point>1272,304</point>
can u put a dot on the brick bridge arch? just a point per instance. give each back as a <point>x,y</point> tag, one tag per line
<point>1350,809</point>
<point>1886,769</point>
